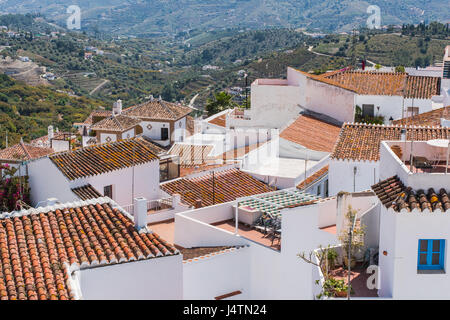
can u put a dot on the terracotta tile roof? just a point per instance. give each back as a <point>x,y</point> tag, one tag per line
<point>362,141</point>
<point>312,133</point>
<point>103,158</point>
<point>22,151</point>
<point>192,253</point>
<point>155,149</point>
<point>37,247</point>
<point>219,121</point>
<point>119,123</point>
<point>239,152</point>
<point>229,185</point>
<point>431,118</point>
<point>158,110</point>
<point>393,194</point>
<point>191,155</point>
<point>384,83</point>
<point>371,83</point>
<point>319,174</point>
<point>96,114</point>
<point>87,192</point>
<point>421,87</point>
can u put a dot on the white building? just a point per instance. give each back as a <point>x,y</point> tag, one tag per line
<point>274,102</point>
<point>122,171</point>
<point>355,160</point>
<point>93,250</point>
<point>414,222</point>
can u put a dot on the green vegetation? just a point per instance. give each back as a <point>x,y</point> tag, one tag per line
<point>387,48</point>
<point>221,101</point>
<point>27,111</point>
<point>162,17</point>
<point>14,190</point>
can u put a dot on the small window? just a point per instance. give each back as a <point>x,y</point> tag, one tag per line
<point>431,255</point>
<point>368,110</point>
<point>319,189</point>
<point>164,134</point>
<point>412,111</point>
<point>108,191</point>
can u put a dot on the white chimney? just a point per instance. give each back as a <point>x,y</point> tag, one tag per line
<point>140,212</point>
<point>152,98</point>
<point>51,135</point>
<point>117,107</point>
<point>160,99</point>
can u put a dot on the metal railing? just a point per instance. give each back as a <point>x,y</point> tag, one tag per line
<point>153,206</point>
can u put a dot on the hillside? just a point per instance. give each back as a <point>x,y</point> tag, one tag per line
<point>27,111</point>
<point>157,17</point>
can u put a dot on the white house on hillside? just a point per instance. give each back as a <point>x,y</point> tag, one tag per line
<point>121,171</point>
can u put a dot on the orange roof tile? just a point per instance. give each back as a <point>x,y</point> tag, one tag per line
<point>431,118</point>
<point>383,83</point>
<point>219,121</point>
<point>158,110</point>
<point>191,155</point>
<point>103,158</point>
<point>37,247</point>
<point>393,194</point>
<point>372,82</point>
<point>312,133</point>
<point>319,174</point>
<point>86,192</point>
<point>22,151</point>
<point>119,123</point>
<point>362,141</point>
<point>229,185</point>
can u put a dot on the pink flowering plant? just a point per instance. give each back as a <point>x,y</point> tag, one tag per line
<point>12,189</point>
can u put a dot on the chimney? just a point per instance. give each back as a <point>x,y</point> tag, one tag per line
<point>152,98</point>
<point>159,99</point>
<point>198,203</point>
<point>51,135</point>
<point>176,199</point>
<point>140,212</point>
<point>117,107</point>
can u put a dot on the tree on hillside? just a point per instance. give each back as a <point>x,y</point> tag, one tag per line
<point>221,101</point>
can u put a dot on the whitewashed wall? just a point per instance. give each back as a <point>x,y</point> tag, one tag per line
<point>401,233</point>
<point>340,175</point>
<point>146,182</point>
<point>155,131</point>
<point>153,279</point>
<point>217,275</point>
<point>104,137</point>
<point>128,134</point>
<point>46,181</point>
<point>179,133</point>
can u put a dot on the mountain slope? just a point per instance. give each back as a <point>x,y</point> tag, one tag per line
<point>152,17</point>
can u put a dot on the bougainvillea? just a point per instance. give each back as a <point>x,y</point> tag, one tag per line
<point>12,189</point>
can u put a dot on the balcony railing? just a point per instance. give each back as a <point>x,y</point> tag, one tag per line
<point>153,206</point>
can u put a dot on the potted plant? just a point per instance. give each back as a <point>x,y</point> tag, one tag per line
<point>334,288</point>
